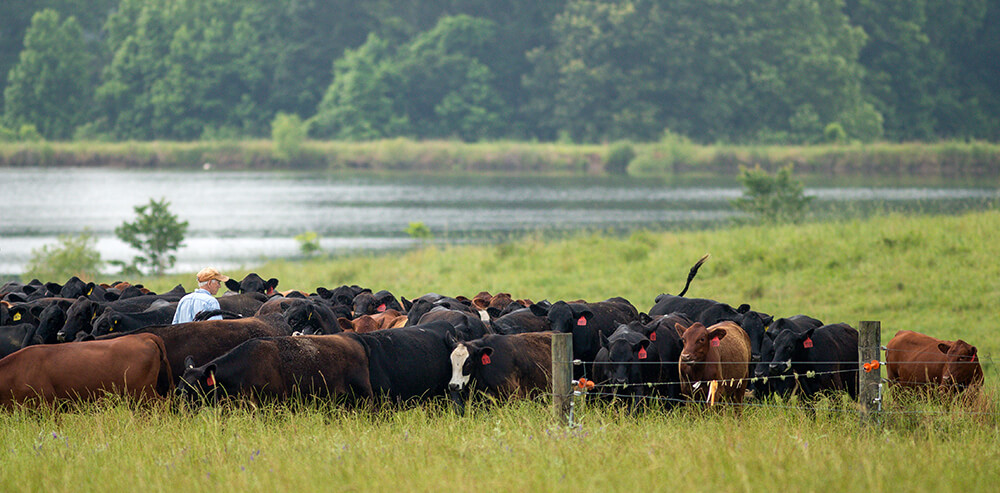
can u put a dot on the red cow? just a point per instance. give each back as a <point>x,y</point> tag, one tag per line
<point>713,355</point>
<point>134,365</point>
<point>914,360</point>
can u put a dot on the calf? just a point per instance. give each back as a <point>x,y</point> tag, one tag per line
<point>628,361</point>
<point>277,368</point>
<point>763,385</point>
<point>715,355</point>
<point>831,351</point>
<point>134,365</point>
<point>517,365</point>
<point>918,360</point>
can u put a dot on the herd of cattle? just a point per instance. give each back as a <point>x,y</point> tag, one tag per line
<point>82,340</point>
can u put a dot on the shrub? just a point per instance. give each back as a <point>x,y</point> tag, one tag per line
<point>308,243</point>
<point>74,255</point>
<point>834,133</point>
<point>29,133</point>
<point>288,133</point>
<point>620,154</point>
<point>155,233</point>
<point>419,230</point>
<point>768,198</point>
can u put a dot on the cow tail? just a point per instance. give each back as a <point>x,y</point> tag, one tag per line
<point>165,378</point>
<point>694,272</point>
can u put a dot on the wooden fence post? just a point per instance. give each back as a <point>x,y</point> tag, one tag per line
<point>869,348</point>
<point>562,376</point>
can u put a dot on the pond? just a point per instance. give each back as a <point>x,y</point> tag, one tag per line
<point>240,218</point>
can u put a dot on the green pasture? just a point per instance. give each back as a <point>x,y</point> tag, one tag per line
<point>933,274</point>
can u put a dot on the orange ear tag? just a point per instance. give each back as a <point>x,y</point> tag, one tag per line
<point>486,359</point>
<point>652,336</point>
<point>581,321</point>
<point>715,342</point>
<point>642,353</point>
<point>381,308</point>
<point>808,343</point>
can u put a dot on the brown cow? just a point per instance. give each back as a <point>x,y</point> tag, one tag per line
<point>389,319</point>
<point>134,365</point>
<point>717,353</point>
<point>914,360</point>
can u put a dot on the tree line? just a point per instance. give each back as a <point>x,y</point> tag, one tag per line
<point>729,71</point>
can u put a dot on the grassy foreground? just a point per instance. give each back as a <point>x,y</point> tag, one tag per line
<point>936,275</point>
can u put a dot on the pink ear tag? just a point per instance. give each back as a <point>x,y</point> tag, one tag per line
<point>715,342</point>
<point>381,308</point>
<point>642,353</point>
<point>581,321</point>
<point>211,380</point>
<point>652,336</point>
<point>486,359</point>
<point>808,343</point>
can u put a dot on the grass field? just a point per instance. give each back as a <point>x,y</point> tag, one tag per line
<point>933,274</point>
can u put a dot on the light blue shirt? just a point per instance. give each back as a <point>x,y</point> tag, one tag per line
<point>193,303</point>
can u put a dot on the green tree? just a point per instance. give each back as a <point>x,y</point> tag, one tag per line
<point>74,255</point>
<point>50,85</point>
<point>288,132</point>
<point>771,198</point>
<point>156,233</point>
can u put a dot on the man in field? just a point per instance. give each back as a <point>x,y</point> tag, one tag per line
<point>201,299</point>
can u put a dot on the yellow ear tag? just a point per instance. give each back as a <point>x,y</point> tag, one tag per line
<point>92,317</point>
<point>310,316</point>
<point>91,291</point>
<point>17,316</point>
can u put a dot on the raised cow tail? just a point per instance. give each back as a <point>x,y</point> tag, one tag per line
<point>165,378</point>
<point>694,272</point>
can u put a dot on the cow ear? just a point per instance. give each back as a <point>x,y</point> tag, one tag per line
<point>272,283</point>
<point>680,329</point>
<point>944,348</point>
<point>589,315</point>
<point>743,308</point>
<point>36,310</point>
<point>486,351</point>
<point>345,324</point>
<point>493,312</point>
<point>233,285</point>
<point>539,310</point>
<point>109,296</point>
<point>450,339</point>
<point>807,334</point>
<point>189,361</point>
<point>53,287</point>
<point>767,321</point>
<point>718,333</point>
<point>406,303</point>
<point>644,318</point>
<point>643,344</point>
<point>480,303</point>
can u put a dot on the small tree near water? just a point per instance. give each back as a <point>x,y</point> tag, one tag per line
<point>72,256</point>
<point>155,232</point>
<point>771,198</point>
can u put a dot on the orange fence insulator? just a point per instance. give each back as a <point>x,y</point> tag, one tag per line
<point>874,365</point>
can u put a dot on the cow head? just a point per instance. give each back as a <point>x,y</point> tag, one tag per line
<point>575,318</point>
<point>75,287</point>
<point>627,350</point>
<point>199,383</point>
<point>789,346</point>
<point>253,283</point>
<point>754,324</point>
<point>80,317</point>
<point>698,341</point>
<point>50,323</point>
<point>962,367</point>
<point>310,318</point>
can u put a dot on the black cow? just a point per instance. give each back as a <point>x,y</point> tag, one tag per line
<point>662,333</point>
<point>312,317</point>
<point>159,313</point>
<point>12,337</point>
<point>409,362</point>
<point>627,361</point>
<point>343,295</point>
<point>50,322</point>
<point>420,306</point>
<point>519,321</point>
<point>80,317</point>
<point>467,325</point>
<point>252,283</point>
<point>368,303</point>
<point>763,383</point>
<point>501,366</point>
<point>831,351</point>
<point>586,321</point>
<point>244,304</point>
<point>278,368</point>
<point>75,287</point>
